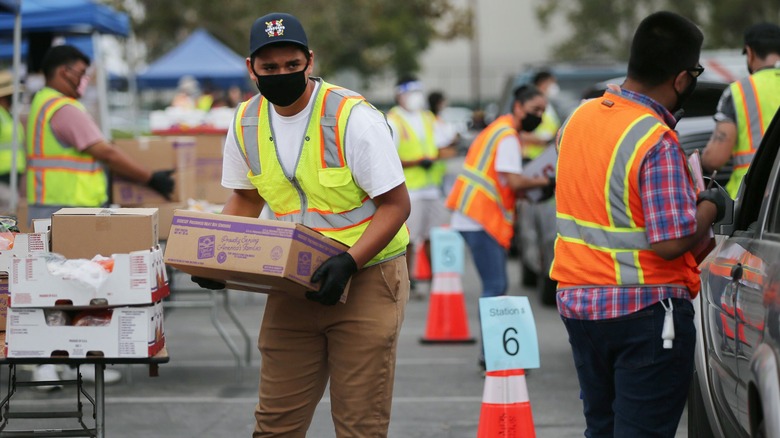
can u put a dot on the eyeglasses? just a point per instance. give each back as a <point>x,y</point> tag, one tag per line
<point>696,71</point>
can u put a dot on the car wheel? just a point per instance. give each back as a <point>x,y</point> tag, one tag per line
<point>698,422</point>
<point>549,291</point>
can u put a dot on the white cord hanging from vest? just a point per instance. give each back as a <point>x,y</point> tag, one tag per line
<point>667,333</point>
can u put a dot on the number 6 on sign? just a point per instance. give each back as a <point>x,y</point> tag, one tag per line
<point>509,333</point>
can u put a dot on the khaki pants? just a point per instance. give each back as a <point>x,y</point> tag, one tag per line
<point>303,344</point>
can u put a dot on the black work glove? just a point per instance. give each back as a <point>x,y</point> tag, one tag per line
<point>334,273</point>
<point>207,283</point>
<point>548,191</point>
<point>426,163</point>
<point>162,183</point>
<point>717,197</point>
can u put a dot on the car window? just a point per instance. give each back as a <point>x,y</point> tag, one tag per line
<point>754,186</point>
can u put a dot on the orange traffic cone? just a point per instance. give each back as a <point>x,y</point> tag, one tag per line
<point>447,318</point>
<point>506,411</point>
<point>422,266</point>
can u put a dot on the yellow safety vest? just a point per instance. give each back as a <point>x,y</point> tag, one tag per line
<point>413,148</point>
<point>321,193</point>
<point>205,102</point>
<point>756,99</point>
<point>58,174</point>
<point>6,143</point>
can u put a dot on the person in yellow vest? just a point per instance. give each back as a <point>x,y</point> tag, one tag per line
<point>484,194</point>
<point>537,219</point>
<point>66,151</point>
<point>6,142</point>
<point>422,149</point>
<point>66,156</point>
<point>319,154</point>
<point>628,220</point>
<point>747,106</point>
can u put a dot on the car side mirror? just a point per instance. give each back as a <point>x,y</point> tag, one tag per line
<point>726,225</point>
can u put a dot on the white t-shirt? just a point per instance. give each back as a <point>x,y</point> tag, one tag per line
<point>508,160</point>
<point>369,149</point>
<point>415,121</point>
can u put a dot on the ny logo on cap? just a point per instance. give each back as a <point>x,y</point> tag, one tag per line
<point>274,28</point>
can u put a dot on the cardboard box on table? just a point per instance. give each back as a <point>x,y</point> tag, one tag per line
<point>24,244</point>
<point>132,332</point>
<point>208,162</point>
<point>137,278</point>
<point>157,153</point>
<point>248,254</point>
<point>82,233</point>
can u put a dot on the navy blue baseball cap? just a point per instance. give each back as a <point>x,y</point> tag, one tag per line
<point>276,27</point>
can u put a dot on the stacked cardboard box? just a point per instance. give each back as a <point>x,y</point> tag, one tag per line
<point>160,153</point>
<point>208,164</point>
<point>109,308</point>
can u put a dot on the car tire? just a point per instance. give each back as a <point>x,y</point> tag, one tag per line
<point>698,422</point>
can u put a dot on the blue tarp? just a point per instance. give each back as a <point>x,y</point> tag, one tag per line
<point>202,56</point>
<point>9,5</point>
<point>64,16</point>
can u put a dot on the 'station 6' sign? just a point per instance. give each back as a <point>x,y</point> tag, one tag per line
<point>509,333</point>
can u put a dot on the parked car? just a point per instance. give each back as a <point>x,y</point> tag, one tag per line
<point>736,386</point>
<point>573,81</point>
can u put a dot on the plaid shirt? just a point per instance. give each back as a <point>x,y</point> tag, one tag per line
<point>669,205</point>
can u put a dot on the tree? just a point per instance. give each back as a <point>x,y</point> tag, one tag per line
<point>603,29</point>
<point>366,36</point>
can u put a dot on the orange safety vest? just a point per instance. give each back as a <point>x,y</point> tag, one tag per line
<point>478,193</point>
<point>602,239</point>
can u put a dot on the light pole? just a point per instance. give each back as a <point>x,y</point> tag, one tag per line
<point>476,79</point>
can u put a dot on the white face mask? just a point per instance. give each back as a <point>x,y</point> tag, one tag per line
<point>414,101</point>
<point>553,90</point>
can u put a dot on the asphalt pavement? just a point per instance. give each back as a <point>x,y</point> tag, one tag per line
<point>204,391</point>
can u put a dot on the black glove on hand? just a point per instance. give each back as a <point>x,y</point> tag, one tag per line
<point>426,163</point>
<point>162,183</point>
<point>335,274</point>
<point>207,283</point>
<point>548,191</point>
<point>717,197</point>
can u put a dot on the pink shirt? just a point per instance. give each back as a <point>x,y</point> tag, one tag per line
<point>74,127</point>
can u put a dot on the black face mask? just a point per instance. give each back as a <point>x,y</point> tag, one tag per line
<point>530,122</point>
<point>283,90</point>
<point>686,93</point>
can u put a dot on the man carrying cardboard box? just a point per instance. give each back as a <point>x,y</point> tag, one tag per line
<point>66,152</point>
<point>322,156</point>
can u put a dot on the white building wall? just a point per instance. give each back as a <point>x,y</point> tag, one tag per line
<point>509,38</point>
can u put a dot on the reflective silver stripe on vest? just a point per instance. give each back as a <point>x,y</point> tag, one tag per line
<point>491,145</point>
<point>743,159</point>
<point>617,181</point>
<point>249,128</point>
<point>478,180</point>
<point>626,266</point>
<point>78,166</point>
<point>753,119</point>
<point>329,124</point>
<point>317,220</point>
<point>39,119</point>
<point>599,237</point>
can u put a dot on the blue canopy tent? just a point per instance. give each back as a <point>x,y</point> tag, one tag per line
<point>63,17</point>
<point>201,56</point>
